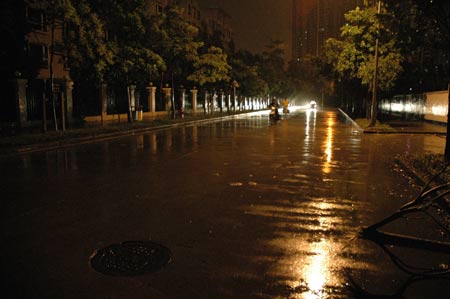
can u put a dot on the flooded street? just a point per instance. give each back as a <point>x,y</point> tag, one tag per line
<point>249,209</point>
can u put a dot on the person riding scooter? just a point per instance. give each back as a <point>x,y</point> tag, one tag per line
<point>274,115</point>
<point>285,106</point>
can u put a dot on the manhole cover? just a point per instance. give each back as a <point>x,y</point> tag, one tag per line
<point>131,258</point>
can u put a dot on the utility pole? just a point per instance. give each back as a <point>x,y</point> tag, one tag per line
<point>373,118</point>
<point>447,142</point>
<point>317,28</point>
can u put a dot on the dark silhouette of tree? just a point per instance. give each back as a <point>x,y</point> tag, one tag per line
<point>273,69</point>
<point>246,70</point>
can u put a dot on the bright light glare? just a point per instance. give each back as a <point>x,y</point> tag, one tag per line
<point>316,271</point>
<point>397,107</point>
<point>328,145</point>
<point>439,110</point>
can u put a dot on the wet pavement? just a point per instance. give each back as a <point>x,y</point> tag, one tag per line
<point>248,209</point>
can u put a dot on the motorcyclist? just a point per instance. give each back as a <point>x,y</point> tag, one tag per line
<point>274,105</point>
<point>285,105</point>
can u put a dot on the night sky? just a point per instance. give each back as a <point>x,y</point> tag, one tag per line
<point>256,22</point>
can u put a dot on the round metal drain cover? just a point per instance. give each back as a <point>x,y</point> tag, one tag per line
<point>131,258</point>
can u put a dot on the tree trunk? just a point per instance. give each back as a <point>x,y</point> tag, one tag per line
<point>173,98</point>
<point>447,142</point>
<point>130,115</point>
<point>63,113</point>
<point>373,117</point>
<point>52,75</point>
<point>44,110</point>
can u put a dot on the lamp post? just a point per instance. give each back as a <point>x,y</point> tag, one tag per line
<point>373,117</point>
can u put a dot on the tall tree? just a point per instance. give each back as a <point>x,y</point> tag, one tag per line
<point>212,67</point>
<point>246,70</point>
<point>354,55</point>
<point>176,41</point>
<point>273,70</point>
<point>128,28</point>
<point>90,55</point>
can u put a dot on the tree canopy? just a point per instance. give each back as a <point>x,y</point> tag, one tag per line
<point>273,70</point>
<point>90,55</point>
<point>246,69</point>
<point>176,41</point>
<point>354,55</point>
<point>211,67</point>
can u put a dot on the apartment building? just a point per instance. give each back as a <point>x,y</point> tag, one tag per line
<point>211,19</point>
<point>191,12</point>
<point>190,9</point>
<point>35,78</point>
<point>314,21</point>
<point>217,21</point>
<point>156,7</point>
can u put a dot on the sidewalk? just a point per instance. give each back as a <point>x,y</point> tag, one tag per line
<point>401,127</point>
<point>408,127</point>
<point>423,127</point>
<point>23,144</point>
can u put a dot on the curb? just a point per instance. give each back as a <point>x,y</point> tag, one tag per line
<point>358,128</point>
<point>370,131</point>
<point>375,131</point>
<point>26,149</point>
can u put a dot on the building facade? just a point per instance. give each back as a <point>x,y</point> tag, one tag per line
<point>35,77</point>
<point>217,21</point>
<point>314,21</point>
<point>191,12</point>
<point>156,7</point>
<point>190,9</point>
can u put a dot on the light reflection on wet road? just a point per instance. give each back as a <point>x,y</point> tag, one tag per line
<point>249,210</point>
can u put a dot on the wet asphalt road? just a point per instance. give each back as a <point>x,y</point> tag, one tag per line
<point>248,209</point>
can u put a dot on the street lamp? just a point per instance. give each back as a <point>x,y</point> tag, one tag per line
<point>373,118</point>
